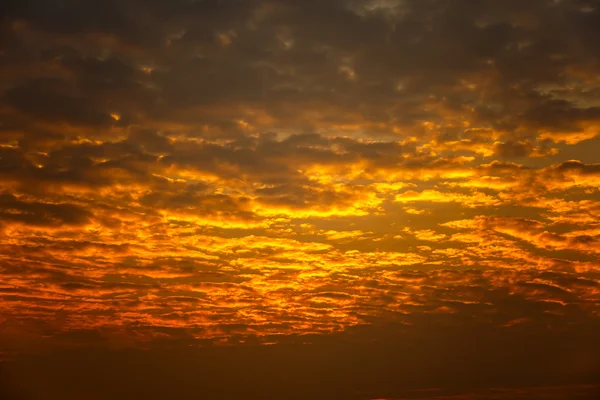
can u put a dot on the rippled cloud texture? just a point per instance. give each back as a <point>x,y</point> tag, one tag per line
<point>400,197</point>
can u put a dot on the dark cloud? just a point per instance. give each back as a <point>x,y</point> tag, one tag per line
<point>225,55</point>
<point>44,214</point>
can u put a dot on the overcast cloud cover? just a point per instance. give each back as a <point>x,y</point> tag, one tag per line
<point>316,199</point>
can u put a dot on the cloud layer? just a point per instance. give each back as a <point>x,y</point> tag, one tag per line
<point>262,171</point>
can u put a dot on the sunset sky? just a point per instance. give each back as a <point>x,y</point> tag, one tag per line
<point>299,199</point>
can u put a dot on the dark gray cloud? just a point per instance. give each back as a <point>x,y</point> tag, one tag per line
<point>493,63</point>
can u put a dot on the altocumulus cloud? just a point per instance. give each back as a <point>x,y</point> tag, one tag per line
<point>375,199</point>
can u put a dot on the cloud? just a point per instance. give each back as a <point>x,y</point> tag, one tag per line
<point>258,172</point>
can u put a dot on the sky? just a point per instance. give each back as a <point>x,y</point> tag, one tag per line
<point>316,199</point>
